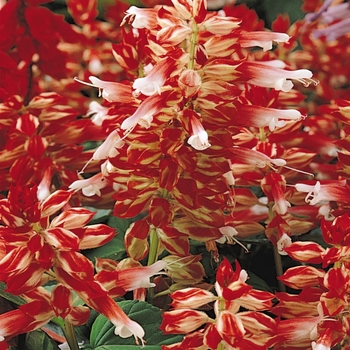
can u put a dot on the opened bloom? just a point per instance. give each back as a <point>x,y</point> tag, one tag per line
<point>269,74</point>
<point>322,193</point>
<point>257,116</point>
<point>144,113</point>
<point>141,18</point>
<point>199,139</point>
<point>255,158</point>
<point>91,186</point>
<point>262,39</point>
<point>111,91</point>
<point>152,83</point>
<point>97,112</point>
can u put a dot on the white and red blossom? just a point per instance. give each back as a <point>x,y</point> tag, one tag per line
<point>270,74</point>
<point>262,39</point>
<point>199,139</point>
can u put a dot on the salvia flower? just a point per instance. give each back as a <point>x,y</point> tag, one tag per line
<point>322,193</point>
<point>144,113</point>
<point>257,116</point>
<point>91,186</point>
<point>268,74</point>
<point>155,79</point>
<point>111,91</point>
<point>262,39</point>
<point>199,139</point>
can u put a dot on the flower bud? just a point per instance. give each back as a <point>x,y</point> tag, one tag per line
<point>189,82</point>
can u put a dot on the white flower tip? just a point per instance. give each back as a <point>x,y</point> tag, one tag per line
<point>199,141</point>
<point>126,331</point>
<point>243,275</point>
<point>90,191</point>
<point>284,242</point>
<point>278,162</point>
<point>302,187</point>
<point>159,265</point>
<point>94,80</point>
<point>283,85</point>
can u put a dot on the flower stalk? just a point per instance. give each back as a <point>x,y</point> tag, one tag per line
<point>69,333</point>
<point>152,257</point>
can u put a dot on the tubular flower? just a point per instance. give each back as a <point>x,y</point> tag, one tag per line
<point>255,158</point>
<point>320,193</point>
<point>90,187</point>
<point>257,116</point>
<point>269,74</point>
<point>274,186</point>
<point>144,113</point>
<point>155,79</point>
<point>141,18</point>
<point>124,326</point>
<point>199,139</point>
<point>98,113</point>
<point>129,279</point>
<point>109,148</point>
<point>22,320</point>
<point>262,39</point>
<point>298,331</point>
<point>112,92</point>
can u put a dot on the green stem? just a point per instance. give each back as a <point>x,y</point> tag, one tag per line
<point>152,257</point>
<point>193,45</point>
<point>262,134</point>
<point>69,333</point>
<point>279,268</point>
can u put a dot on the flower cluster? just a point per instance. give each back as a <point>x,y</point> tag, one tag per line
<point>320,312</point>
<point>175,146</point>
<point>231,327</point>
<point>37,250</point>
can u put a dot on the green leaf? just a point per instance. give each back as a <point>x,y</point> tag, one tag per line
<point>114,249</point>
<point>120,224</point>
<point>273,8</point>
<point>258,283</point>
<point>148,316</point>
<point>39,340</point>
<point>101,215</point>
<point>10,297</point>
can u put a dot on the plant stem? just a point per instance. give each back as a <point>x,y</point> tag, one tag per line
<point>193,45</point>
<point>279,268</point>
<point>69,333</point>
<point>262,134</point>
<point>152,257</point>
